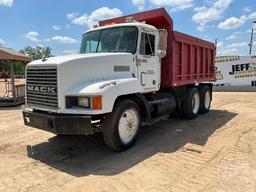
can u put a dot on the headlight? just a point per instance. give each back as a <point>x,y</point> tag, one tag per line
<point>92,102</point>
<point>83,102</point>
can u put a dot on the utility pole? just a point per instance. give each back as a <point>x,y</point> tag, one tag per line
<point>251,42</point>
<point>216,46</point>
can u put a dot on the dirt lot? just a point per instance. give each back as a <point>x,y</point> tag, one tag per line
<point>215,152</point>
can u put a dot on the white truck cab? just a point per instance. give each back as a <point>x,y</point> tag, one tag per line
<point>115,60</point>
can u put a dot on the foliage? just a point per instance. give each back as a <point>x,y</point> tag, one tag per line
<point>37,52</point>
<point>19,68</point>
<point>4,67</point>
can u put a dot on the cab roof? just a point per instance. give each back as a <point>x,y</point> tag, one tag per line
<point>132,24</point>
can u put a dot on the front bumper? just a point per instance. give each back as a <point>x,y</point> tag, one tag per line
<point>59,124</point>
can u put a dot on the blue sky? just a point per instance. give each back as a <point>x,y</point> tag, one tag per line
<point>60,24</point>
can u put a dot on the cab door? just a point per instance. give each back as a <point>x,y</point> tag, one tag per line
<point>148,63</point>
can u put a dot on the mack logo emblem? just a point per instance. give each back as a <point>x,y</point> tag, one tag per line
<point>42,89</point>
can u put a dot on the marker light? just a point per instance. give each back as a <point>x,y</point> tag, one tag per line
<point>96,102</point>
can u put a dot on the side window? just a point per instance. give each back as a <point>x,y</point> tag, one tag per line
<point>147,44</point>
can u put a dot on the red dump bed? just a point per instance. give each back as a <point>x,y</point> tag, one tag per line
<point>189,59</point>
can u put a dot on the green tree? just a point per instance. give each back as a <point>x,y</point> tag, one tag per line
<point>37,52</point>
<point>19,68</point>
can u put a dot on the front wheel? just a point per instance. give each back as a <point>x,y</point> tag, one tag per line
<point>121,127</point>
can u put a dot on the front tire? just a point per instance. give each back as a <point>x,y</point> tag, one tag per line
<point>121,127</point>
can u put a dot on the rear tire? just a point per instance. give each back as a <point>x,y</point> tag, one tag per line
<point>191,104</point>
<point>205,99</point>
<point>121,127</point>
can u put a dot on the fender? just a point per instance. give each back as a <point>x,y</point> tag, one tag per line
<point>110,90</point>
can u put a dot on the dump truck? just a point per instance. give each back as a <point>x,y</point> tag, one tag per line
<point>131,72</point>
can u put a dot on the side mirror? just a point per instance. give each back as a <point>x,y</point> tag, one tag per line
<point>163,38</point>
<point>160,53</point>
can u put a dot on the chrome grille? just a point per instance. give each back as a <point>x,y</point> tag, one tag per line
<point>41,87</point>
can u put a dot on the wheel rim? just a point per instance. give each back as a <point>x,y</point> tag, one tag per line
<point>207,100</point>
<point>195,103</point>
<point>128,125</point>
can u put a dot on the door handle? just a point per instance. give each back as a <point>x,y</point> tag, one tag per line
<point>141,81</point>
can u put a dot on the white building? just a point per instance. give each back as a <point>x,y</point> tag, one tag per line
<point>236,71</point>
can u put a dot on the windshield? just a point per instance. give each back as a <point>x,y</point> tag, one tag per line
<point>117,39</point>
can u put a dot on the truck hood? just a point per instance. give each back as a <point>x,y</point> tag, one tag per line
<point>58,60</point>
<point>82,70</point>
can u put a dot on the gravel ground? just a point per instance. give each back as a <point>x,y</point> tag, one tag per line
<point>213,153</point>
